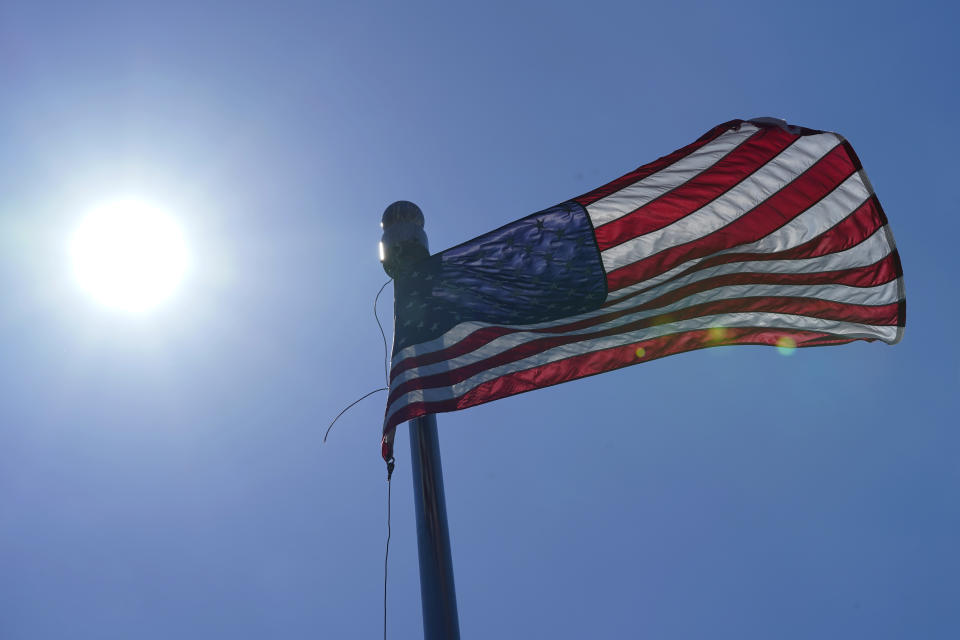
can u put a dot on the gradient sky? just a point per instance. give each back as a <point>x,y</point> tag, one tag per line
<point>162,474</point>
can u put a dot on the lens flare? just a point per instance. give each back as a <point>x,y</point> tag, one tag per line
<point>786,345</point>
<point>716,334</point>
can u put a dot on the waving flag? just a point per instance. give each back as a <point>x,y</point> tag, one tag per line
<point>757,233</point>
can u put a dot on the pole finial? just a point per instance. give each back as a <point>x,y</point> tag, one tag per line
<point>404,241</point>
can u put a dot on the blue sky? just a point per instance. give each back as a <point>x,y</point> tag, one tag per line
<point>162,474</point>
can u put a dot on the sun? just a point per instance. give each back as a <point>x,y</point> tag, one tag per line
<point>128,254</point>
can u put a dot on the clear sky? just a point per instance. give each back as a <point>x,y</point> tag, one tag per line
<point>162,474</point>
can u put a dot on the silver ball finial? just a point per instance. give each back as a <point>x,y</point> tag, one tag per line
<point>404,242</point>
<point>402,211</point>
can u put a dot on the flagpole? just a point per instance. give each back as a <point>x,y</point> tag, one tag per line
<point>438,597</point>
<point>404,243</point>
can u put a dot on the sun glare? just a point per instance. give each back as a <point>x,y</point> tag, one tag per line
<point>128,254</point>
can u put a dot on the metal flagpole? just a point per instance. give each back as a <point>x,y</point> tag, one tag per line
<point>404,242</point>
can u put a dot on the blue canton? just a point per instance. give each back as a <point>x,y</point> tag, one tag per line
<point>540,268</point>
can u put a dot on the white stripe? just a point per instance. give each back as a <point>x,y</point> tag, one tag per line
<point>866,253</point>
<point>728,320</point>
<point>868,296</point>
<point>733,204</point>
<point>812,223</point>
<point>637,194</point>
<point>871,250</point>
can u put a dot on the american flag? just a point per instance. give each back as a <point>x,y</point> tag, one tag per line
<point>757,233</point>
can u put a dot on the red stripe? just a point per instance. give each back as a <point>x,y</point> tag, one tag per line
<point>849,232</point>
<point>680,202</point>
<point>872,275</point>
<point>648,169</point>
<point>883,315</point>
<point>588,364</point>
<point>862,223</point>
<point>771,214</point>
<point>470,343</point>
<point>869,276</point>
